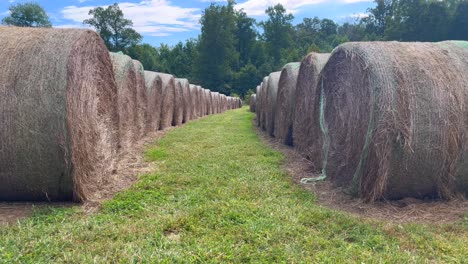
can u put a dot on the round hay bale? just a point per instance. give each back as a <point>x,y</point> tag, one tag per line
<point>126,80</point>
<point>252,103</point>
<point>262,101</point>
<point>208,102</point>
<point>178,104</point>
<point>285,103</point>
<point>306,131</point>
<point>201,102</point>
<point>194,98</point>
<point>394,118</point>
<point>168,99</point>
<point>270,102</point>
<point>258,103</point>
<point>58,116</point>
<point>154,95</point>
<point>142,100</point>
<point>187,99</point>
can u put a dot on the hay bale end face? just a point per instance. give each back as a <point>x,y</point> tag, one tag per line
<point>58,119</point>
<point>394,116</point>
<point>168,100</point>
<point>270,102</point>
<point>306,129</point>
<point>154,96</point>
<point>285,103</point>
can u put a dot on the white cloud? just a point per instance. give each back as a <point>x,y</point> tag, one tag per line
<point>258,7</point>
<point>150,17</point>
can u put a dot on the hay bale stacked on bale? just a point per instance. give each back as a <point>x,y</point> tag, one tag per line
<point>285,103</point>
<point>168,99</point>
<point>154,96</point>
<point>306,130</point>
<point>178,103</point>
<point>187,99</point>
<point>142,100</point>
<point>270,102</point>
<point>58,119</point>
<point>395,118</point>
<point>126,80</point>
<point>252,103</point>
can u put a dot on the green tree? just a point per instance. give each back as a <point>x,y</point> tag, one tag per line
<point>147,55</point>
<point>278,32</point>
<point>459,26</point>
<point>114,29</point>
<point>245,79</point>
<point>246,37</point>
<point>28,14</point>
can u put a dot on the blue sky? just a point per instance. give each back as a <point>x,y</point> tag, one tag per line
<point>171,21</point>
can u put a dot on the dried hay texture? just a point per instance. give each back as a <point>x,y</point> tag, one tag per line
<point>201,105</point>
<point>187,100</point>
<point>194,98</point>
<point>285,103</point>
<point>262,100</point>
<point>258,106</point>
<point>178,104</point>
<point>168,99</point>
<point>126,80</point>
<point>253,102</point>
<point>270,102</point>
<point>142,100</point>
<point>213,103</point>
<point>154,96</point>
<point>306,131</point>
<point>394,118</point>
<point>208,102</point>
<point>58,116</point>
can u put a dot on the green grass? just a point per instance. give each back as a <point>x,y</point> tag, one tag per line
<point>219,195</point>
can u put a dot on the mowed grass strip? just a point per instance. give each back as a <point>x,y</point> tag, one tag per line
<point>219,195</point>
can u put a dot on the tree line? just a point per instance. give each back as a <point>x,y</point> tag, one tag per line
<point>234,51</point>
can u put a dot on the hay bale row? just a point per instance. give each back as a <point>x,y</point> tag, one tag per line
<point>68,107</point>
<point>253,102</point>
<point>383,120</point>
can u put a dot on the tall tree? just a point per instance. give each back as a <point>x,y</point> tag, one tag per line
<point>277,32</point>
<point>115,30</point>
<point>459,27</point>
<point>245,37</point>
<point>28,14</point>
<point>217,47</point>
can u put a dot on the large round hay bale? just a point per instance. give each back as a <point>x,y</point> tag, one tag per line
<point>178,104</point>
<point>262,100</point>
<point>58,116</point>
<point>126,80</point>
<point>270,102</point>
<point>306,131</point>
<point>187,100</point>
<point>168,99</point>
<point>154,95</point>
<point>394,118</point>
<point>258,102</point>
<point>201,102</point>
<point>252,103</point>
<point>285,103</point>
<point>194,98</point>
<point>142,100</point>
<point>208,102</point>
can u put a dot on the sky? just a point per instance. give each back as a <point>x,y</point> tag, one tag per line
<point>171,21</point>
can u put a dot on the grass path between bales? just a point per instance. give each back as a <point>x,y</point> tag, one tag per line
<point>219,195</point>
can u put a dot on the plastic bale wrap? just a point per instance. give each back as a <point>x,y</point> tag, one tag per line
<point>168,100</point>
<point>58,116</point>
<point>154,96</point>
<point>285,103</point>
<point>394,119</point>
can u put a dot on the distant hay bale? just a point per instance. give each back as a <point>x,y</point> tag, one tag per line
<point>126,80</point>
<point>58,116</point>
<point>168,100</point>
<point>285,103</point>
<point>270,102</point>
<point>187,99</point>
<point>142,100</point>
<point>306,131</point>
<point>154,96</point>
<point>194,98</point>
<point>178,104</point>
<point>394,119</point>
<point>252,102</point>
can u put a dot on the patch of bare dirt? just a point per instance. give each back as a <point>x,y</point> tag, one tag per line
<point>407,210</point>
<point>130,165</point>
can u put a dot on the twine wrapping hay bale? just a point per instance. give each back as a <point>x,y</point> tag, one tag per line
<point>394,118</point>
<point>252,103</point>
<point>178,104</point>
<point>154,96</point>
<point>270,102</point>
<point>168,99</point>
<point>285,103</point>
<point>126,80</point>
<point>58,119</point>
<point>142,100</point>
<point>194,98</point>
<point>306,131</point>
<point>187,99</point>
